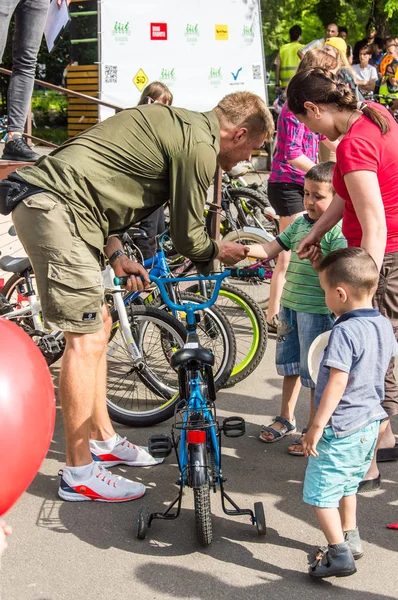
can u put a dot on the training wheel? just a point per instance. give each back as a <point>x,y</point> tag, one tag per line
<point>142,523</point>
<point>260,518</point>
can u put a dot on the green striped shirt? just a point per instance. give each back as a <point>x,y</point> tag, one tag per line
<point>302,291</point>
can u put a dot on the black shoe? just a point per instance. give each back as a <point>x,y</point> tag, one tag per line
<point>18,149</point>
<point>335,560</point>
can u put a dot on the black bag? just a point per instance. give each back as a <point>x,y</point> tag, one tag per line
<point>13,190</point>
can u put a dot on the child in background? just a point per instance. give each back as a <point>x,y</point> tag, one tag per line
<point>350,388</point>
<point>303,314</point>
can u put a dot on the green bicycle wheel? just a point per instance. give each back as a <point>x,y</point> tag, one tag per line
<point>249,327</point>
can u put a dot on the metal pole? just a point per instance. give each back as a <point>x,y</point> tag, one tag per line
<point>216,216</point>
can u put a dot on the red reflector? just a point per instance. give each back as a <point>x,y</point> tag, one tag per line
<point>196,437</point>
<point>1,283</point>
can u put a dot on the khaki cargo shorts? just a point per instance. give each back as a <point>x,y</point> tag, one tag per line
<point>67,269</point>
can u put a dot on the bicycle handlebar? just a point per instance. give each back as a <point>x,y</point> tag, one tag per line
<point>236,273</point>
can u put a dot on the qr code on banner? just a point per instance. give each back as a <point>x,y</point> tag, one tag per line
<point>256,71</point>
<point>110,74</point>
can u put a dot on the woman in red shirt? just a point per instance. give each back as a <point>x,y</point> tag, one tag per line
<point>366,184</point>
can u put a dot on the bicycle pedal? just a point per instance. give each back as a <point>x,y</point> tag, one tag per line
<point>233,427</point>
<point>160,445</point>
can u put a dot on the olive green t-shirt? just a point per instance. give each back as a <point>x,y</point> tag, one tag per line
<point>116,173</point>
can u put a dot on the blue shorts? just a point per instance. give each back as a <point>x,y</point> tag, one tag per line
<point>296,332</point>
<point>342,463</point>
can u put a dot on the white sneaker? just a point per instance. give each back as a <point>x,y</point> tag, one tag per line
<point>123,453</point>
<point>102,486</point>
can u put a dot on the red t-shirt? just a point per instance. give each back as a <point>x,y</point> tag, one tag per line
<point>364,148</point>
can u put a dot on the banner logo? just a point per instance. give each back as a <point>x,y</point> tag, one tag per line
<point>236,77</point>
<point>121,31</point>
<point>140,80</point>
<point>215,76</point>
<point>221,32</point>
<point>168,75</point>
<point>192,33</point>
<point>248,33</point>
<point>159,31</point>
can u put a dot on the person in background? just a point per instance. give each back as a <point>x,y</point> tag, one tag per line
<point>287,60</point>
<point>332,30</point>
<point>343,33</point>
<point>365,74</point>
<point>341,441</point>
<point>371,33</point>
<point>295,153</point>
<point>154,224</point>
<point>390,56</point>
<point>389,85</point>
<point>30,19</point>
<point>366,182</point>
<point>377,52</point>
<point>337,48</point>
<point>303,314</point>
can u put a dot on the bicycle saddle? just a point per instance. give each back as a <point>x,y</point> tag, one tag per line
<point>14,265</point>
<point>199,355</point>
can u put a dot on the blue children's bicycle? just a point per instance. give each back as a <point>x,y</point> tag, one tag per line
<point>196,433</point>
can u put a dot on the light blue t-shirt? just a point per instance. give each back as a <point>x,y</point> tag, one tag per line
<point>362,344</point>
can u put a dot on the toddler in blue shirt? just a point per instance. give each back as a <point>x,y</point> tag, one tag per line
<point>349,391</point>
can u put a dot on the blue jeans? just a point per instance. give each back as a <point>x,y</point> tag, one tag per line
<point>30,20</point>
<point>296,332</point>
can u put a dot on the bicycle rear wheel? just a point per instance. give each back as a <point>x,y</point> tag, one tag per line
<point>203,524</point>
<point>143,395</point>
<point>257,289</point>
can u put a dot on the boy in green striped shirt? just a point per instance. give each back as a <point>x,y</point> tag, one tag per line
<point>303,314</point>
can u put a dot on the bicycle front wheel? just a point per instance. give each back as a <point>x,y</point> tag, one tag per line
<point>249,327</point>
<point>140,395</point>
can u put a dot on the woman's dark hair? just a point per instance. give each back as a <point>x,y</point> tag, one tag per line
<point>343,30</point>
<point>322,87</point>
<point>156,90</point>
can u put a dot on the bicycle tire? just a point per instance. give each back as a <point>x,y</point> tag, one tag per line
<point>256,289</point>
<point>146,396</point>
<point>250,329</point>
<point>11,285</point>
<point>221,333</point>
<point>258,200</point>
<point>203,523</point>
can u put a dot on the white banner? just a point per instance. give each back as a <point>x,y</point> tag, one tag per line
<point>201,49</point>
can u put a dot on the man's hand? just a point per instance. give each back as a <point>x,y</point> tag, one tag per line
<point>310,440</point>
<point>317,258</point>
<point>59,2</point>
<point>139,279</point>
<point>230,253</point>
<point>309,246</point>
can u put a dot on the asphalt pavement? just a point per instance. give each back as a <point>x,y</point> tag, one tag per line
<point>63,551</point>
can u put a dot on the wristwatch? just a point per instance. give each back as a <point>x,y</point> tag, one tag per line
<point>116,255</point>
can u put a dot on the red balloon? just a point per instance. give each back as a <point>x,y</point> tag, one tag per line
<point>27,412</point>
